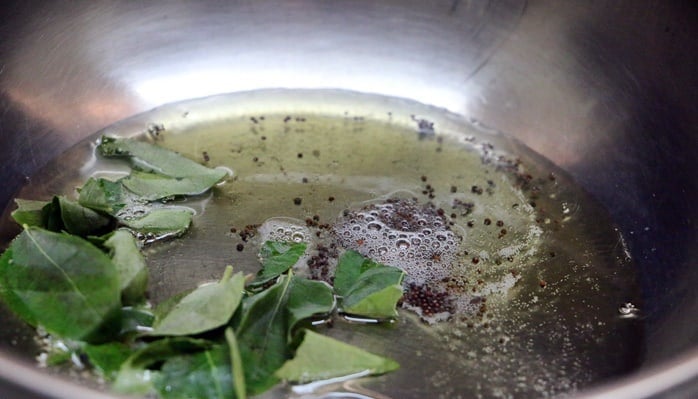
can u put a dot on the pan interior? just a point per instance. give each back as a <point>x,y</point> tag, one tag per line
<point>540,291</point>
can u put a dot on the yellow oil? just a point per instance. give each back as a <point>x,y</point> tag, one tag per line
<point>536,276</point>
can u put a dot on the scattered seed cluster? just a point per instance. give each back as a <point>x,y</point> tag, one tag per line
<point>428,302</point>
<point>414,235</point>
<point>321,264</point>
<point>402,233</point>
<point>245,234</point>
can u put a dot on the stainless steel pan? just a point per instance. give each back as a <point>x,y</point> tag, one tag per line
<point>605,89</point>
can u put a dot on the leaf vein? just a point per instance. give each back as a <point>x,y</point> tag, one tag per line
<point>216,382</point>
<point>63,272</point>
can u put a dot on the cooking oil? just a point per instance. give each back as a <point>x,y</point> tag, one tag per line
<point>515,276</point>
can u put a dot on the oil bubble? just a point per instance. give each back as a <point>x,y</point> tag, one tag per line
<point>284,229</point>
<point>406,226</point>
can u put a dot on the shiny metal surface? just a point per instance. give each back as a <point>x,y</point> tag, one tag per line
<point>605,89</point>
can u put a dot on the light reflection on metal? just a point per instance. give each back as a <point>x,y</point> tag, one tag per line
<point>205,82</point>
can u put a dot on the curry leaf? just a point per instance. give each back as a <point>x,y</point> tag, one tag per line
<point>308,299</point>
<point>103,195</point>
<point>320,357</point>
<point>161,173</point>
<point>108,358</point>
<point>156,159</point>
<point>134,381</point>
<point>80,220</point>
<point>161,222</point>
<point>262,335</point>
<point>129,262</point>
<point>57,356</point>
<point>201,375</point>
<point>367,288</point>
<point>236,364</point>
<point>134,320</point>
<point>151,186</point>
<point>135,377</point>
<point>277,258</point>
<point>349,269</point>
<point>51,214</point>
<point>268,320</point>
<point>29,212</point>
<point>61,282</point>
<point>379,304</point>
<point>8,295</point>
<point>165,348</point>
<point>61,214</point>
<point>209,306</point>
<point>166,306</point>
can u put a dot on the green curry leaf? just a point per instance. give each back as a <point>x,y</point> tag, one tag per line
<point>277,258</point>
<point>108,358</point>
<point>151,186</point>
<point>61,282</point>
<point>130,264</point>
<point>29,212</point>
<point>308,299</point>
<point>320,358</point>
<point>152,158</point>
<point>163,173</point>
<point>207,307</point>
<point>135,320</point>
<point>161,222</point>
<point>135,375</point>
<point>367,288</point>
<point>268,321</point>
<point>8,294</point>
<point>62,214</point>
<point>262,335</point>
<point>204,375</point>
<point>104,196</point>
<point>236,364</point>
